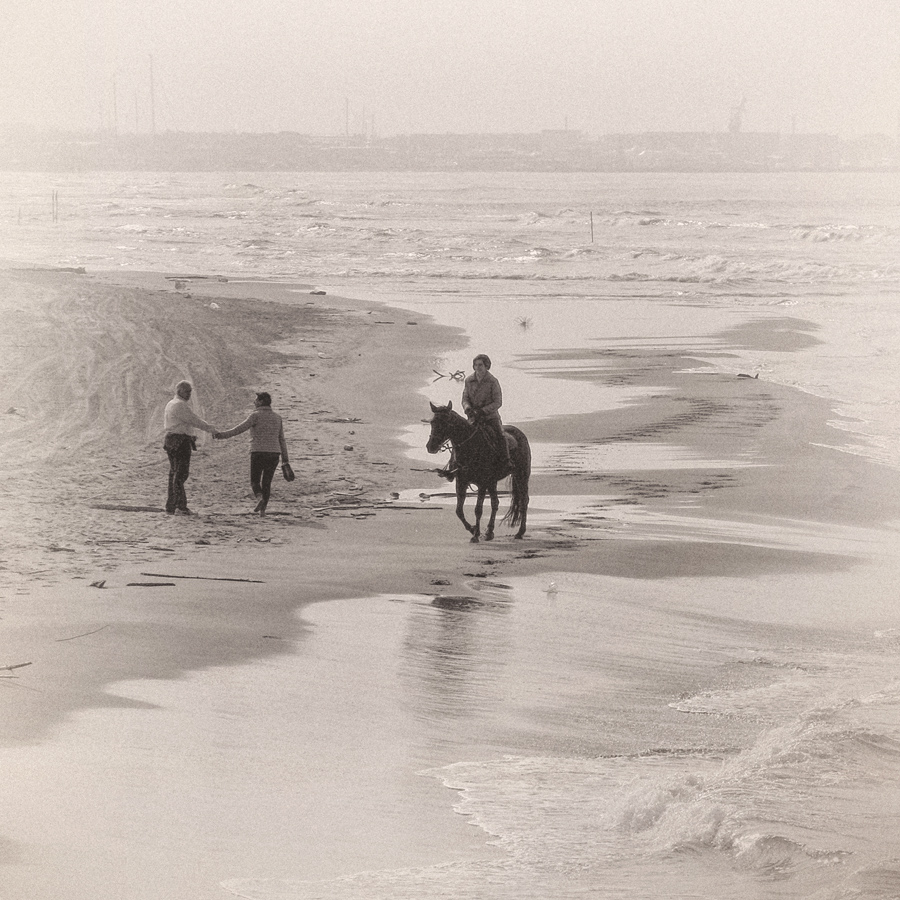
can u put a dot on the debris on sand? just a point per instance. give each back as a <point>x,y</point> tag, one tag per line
<point>12,667</point>
<point>458,375</point>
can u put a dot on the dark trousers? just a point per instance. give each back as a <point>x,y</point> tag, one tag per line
<point>178,449</point>
<point>494,426</point>
<point>262,468</point>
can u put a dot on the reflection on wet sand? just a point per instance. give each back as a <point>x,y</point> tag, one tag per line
<point>454,654</point>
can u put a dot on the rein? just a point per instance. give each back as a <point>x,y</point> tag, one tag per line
<point>448,444</point>
<point>466,441</point>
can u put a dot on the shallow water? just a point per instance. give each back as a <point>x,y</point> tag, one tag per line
<point>626,739</point>
<point>603,736</point>
<point>675,257</point>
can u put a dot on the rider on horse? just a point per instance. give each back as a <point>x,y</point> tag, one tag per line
<point>481,400</point>
<point>477,461</point>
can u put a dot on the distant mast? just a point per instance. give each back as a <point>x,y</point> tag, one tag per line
<point>734,124</point>
<point>152,101</point>
<point>115,108</point>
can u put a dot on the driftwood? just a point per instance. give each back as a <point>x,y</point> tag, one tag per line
<point>84,634</point>
<point>384,504</point>
<point>125,508</point>
<point>408,506</point>
<point>150,584</point>
<point>121,541</point>
<point>14,666</point>
<point>202,577</point>
<point>458,375</point>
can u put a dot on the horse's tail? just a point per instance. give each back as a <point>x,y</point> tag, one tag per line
<point>521,473</point>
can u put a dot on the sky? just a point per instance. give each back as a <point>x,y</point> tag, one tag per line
<point>433,66</point>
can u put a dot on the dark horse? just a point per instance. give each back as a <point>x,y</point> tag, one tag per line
<point>477,464</point>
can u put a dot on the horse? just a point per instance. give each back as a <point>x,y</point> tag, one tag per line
<point>477,463</point>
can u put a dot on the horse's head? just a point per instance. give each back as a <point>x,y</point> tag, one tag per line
<point>444,425</point>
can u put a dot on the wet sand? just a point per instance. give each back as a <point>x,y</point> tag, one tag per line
<point>708,475</point>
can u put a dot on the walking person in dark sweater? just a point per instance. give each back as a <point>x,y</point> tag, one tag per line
<point>267,446</point>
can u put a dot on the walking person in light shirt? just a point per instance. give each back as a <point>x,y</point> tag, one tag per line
<point>180,422</point>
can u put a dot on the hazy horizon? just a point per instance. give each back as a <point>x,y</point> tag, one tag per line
<point>393,66</point>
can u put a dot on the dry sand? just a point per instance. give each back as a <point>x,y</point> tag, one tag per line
<point>89,361</point>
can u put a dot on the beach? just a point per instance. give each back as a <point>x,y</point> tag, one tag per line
<point>185,717</point>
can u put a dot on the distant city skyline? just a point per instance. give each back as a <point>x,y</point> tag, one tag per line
<point>398,66</point>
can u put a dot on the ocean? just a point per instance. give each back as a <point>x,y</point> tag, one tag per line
<point>532,709</point>
<point>686,251</point>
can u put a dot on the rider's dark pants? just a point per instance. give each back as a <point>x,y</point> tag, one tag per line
<point>494,425</point>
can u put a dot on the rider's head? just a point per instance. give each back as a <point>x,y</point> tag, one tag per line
<point>484,358</point>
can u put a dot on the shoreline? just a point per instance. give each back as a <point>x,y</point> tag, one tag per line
<point>351,384</point>
<point>704,480</point>
<point>86,518</point>
<point>97,521</point>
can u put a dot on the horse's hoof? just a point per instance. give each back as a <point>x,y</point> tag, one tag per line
<point>518,537</point>
<point>489,536</point>
<point>474,539</point>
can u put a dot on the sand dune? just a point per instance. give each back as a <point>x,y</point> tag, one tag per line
<point>86,368</point>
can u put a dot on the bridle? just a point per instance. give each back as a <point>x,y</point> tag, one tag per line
<point>447,444</point>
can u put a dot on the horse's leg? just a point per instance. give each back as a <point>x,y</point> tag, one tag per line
<point>461,490</point>
<point>521,532</point>
<point>495,505</point>
<point>522,501</point>
<point>479,508</point>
